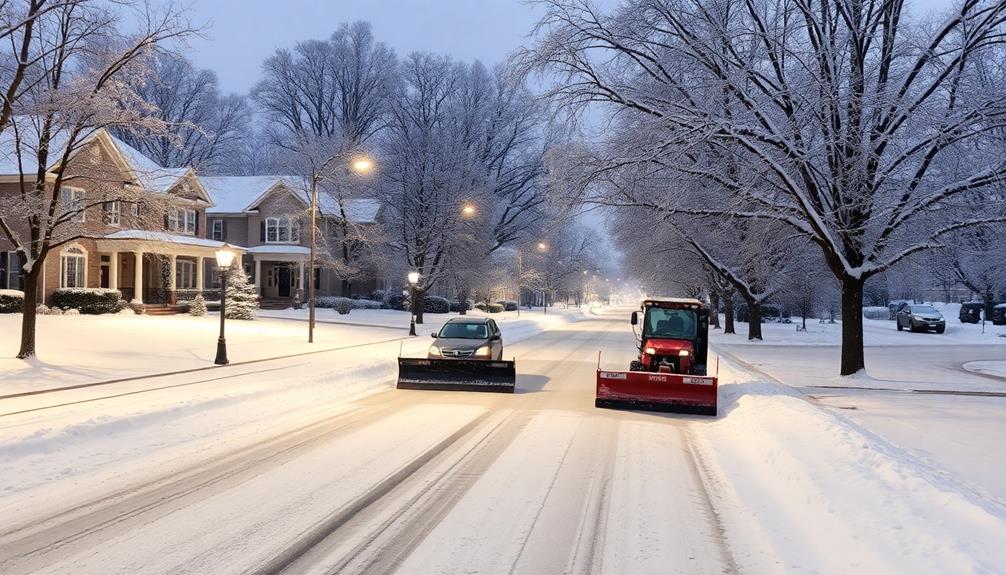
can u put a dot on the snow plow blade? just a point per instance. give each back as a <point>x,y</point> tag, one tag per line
<point>648,391</point>
<point>457,374</point>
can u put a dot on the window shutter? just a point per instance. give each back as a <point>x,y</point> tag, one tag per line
<point>223,226</point>
<point>261,228</point>
<point>166,222</point>
<point>197,223</point>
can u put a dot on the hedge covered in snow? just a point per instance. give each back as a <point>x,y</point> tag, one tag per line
<point>11,301</point>
<point>345,305</point>
<point>91,301</point>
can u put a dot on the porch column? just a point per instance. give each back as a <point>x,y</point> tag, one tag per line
<point>200,264</point>
<point>300,280</point>
<point>171,280</point>
<point>138,277</point>
<point>113,272</point>
<point>258,275</point>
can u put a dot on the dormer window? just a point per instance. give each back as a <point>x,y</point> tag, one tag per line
<point>183,221</point>
<point>282,230</point>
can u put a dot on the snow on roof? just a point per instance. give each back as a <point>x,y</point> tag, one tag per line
<point>153,176</point>
<point>167,238</point>
<point>280,249</point>
<point>237,194</point>
<point>29,144</point>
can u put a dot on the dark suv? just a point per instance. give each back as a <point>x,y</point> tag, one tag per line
<point>971,312</point>
<point>920,317</point>
<point>999,314</point>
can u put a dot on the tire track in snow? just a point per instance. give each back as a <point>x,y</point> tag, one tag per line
<point>704,479</point>
<point>321,531</point>
<point>89,522</point>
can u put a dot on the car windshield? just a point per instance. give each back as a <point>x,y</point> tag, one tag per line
<point>461,330</point>
<point>923,309</point>
<point>670,323</point>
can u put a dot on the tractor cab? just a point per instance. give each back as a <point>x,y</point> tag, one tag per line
<point>674,336</point>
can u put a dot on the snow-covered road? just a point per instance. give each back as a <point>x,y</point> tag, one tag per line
<point>277,467</point>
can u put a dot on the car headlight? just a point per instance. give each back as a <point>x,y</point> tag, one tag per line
<point>684,353</point>
<point>482,351</point>
<point>434,350</point>
<point>917,317</point>
<point>651,351</point>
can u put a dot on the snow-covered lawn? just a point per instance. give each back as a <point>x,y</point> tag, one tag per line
<point>875,332</point>
<point>74,350</point>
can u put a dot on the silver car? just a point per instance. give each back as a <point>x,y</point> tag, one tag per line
<point>468,338</point>
<point>920,317</point>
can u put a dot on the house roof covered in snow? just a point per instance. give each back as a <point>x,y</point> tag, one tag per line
<point>164,237</point>
<point>241,194</point>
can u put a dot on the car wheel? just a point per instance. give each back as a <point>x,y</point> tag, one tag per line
<point>941,329</point>
<point>899,325</point>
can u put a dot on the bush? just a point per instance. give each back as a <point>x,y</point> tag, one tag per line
<point>198,306</point>
<point>436,304</point>
<point>339,303</point>
<point>509,305</point>
<point>11,301</point>
<point>343,305</point>
<point>456,306</point>
<point>92,301</point>
<point>71,311</point>
<point>875,312</point>
<point>482,306</point>
<point>54,310</point>
<point>495,308</point>
<point>395,301</point>
<point>42,309</point>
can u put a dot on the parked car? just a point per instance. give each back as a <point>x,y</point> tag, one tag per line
<point>920,317</point>
<point>999,314</point>
<point>468,338</point>
<point>971,311</point>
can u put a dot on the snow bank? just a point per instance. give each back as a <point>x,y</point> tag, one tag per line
<point>797,487</point>
<point>996,368</point>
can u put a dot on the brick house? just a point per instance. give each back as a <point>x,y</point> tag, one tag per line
<point>151,248</point>
<point>270,216</point>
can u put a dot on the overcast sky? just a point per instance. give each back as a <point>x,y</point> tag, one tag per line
<point>242,33</point>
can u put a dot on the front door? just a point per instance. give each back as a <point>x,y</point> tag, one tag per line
<point>283,279</point>
<point>104,276</point>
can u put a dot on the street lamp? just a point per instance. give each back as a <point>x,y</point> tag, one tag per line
<point>468,210</point>
<point>413,280</point>
<point>225,257</point>
<point>360,165</point>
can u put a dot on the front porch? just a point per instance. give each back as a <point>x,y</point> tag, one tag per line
<point>279,273</point>
<point>160,271</point>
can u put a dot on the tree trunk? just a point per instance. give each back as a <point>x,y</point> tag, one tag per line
<point>347,288</point>
<point>28,317</point>
<point>852,326</point>
<point>754,320</point>
<point>728,313</point>
<point>714,305</point>
<point>989,304</point>
<point>419,304</point>
<point>463,300</point>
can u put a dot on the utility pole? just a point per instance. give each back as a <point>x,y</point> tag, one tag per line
<point>311,259</point>
<point>518,281</point>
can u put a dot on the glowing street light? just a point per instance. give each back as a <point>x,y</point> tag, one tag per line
<point>413,279</point>
<point>542,246</point>
<point>225,257</point>
<point>468,210</point>
<point>362,165</point>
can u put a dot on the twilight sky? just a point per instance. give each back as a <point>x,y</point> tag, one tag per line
<point>242,33</point>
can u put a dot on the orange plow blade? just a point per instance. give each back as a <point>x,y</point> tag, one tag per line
<point>647,391</point>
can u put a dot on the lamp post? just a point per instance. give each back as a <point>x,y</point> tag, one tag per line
<point>360,165</point>
<point>413,280</point>
<point>225,257</point>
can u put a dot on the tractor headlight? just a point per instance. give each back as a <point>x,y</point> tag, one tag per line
<point>434,350</point>
<point>684,353</point>
<point>651,351</point>
<point>482,351</point>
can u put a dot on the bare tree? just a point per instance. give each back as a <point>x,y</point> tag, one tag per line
<point>854,117</point>
<point>205,130</point>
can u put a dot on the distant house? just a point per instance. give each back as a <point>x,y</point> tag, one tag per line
<point>270,216</point>
<point>154,250</point>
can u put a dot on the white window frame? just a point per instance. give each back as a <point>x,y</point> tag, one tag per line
<point>183,221</point>
<point>185,274</point>
<point>136,209</point>
<point>78,256</point>
<point>113,216</point>
<point>72,199</point>
<point>278,227</point>
<point>217,232</point>
<point>13,271</point>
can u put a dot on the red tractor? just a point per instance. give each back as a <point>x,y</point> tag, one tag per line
<point>670,373</point>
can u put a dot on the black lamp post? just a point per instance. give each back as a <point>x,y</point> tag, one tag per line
<point>413,280</point>
<point>225,257</point>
